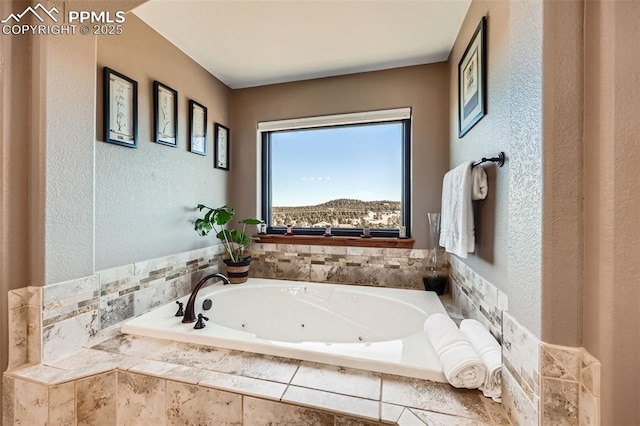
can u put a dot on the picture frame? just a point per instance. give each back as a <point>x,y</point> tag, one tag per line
<point>165,111</point>
<point>472,81</point>
<point>120,110</point>
<point>197,128</point>
<point>221,144</point>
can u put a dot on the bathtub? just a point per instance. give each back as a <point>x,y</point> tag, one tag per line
<point>370,328</point>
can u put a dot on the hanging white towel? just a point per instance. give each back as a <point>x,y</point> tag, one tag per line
<point>456,217</point>
<point>490,353</point>
<point>479,188</point>
<point>461,363</point>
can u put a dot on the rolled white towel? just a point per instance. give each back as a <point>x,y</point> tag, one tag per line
<point>479,187</point>
<point>490,353</point>
<point>461,363</point>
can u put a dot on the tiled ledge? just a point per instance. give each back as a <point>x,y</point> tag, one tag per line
<point>159,379</point>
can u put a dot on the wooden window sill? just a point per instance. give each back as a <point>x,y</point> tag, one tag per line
<point>313,240</point>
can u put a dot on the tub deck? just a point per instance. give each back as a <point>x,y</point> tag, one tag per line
<point>396,313</point>
<point>280,386</point>
<point>139,380</point>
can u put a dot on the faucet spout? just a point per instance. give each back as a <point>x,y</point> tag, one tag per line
<point>190,311</point>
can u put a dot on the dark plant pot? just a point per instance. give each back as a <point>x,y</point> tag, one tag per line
<point>238,273</point>
<point>437,283</point>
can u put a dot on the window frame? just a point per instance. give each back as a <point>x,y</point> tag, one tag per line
<point>266,129</point>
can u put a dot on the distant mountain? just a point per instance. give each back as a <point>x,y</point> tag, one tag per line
<point>350,203</point>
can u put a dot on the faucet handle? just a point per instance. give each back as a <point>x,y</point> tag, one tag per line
<point>200,323</point>
<point>180,310</point>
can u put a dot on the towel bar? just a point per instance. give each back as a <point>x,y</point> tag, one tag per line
<point>499,160</point>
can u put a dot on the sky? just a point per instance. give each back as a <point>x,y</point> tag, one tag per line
<point>314,166</point>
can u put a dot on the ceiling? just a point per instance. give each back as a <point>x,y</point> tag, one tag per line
<point>253,43</point>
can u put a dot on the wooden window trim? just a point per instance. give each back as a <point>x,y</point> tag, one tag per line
<point>314,240</point>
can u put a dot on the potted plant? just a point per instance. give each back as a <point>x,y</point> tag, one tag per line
<point>235,242</point>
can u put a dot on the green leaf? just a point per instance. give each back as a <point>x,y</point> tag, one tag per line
<point>225,232</point>
<point>251,221</point>
<point>202,227</point>
<point>222,216</point>
<point>239,237</point>
<point>207,217</point>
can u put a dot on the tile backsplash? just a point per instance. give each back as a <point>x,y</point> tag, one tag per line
<point>476,297</point>
<point>400,268</point>
<point>520,372</point>
<point>541,383</point>
<point>56,320</point>
<point>47,323</point>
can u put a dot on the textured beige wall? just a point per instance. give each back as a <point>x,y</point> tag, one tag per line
<point>562,229</point>
<point>67,111</point>
<point>146,197</point>
<point>612,203</point>
<point>530,227</point>
<point>508,251</point>
<point>423,88</point>
<point>525,163</point>
<point>487,138</point>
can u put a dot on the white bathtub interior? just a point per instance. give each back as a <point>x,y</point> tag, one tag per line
<point>371,328</point>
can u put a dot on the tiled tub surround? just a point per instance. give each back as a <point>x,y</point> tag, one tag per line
<point>134,380</point>
<point>542,383</point>
<point>47,323</point>
<point>390,267</point>
<point>476,297</point>
<point>547,384</point>
<point>25,326</point>
<point>520,372</point>
<point>570,386</point>
<point>90,309</point>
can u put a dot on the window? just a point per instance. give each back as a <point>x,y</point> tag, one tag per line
<point>347,171</point>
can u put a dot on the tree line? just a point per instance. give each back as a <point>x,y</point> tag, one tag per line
<point>345,212</point>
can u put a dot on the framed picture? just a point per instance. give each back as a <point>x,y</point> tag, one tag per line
<point>221,143</point>
<point>120,109</point>
<point>165,109</point>
<point>197,128</point>
<point>472,81</point>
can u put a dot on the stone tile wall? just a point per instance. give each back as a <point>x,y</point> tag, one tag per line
<point>547,384</point>
<point>47,323</point>
<point>53,321</point>
<point>191,384</point>
<point>121,397</point>
<point>400,268</point>
<point>25,325</point>
<point>570,386</point>
<point>589,398</point>
<point>541,383</point>
<point>476,297</point>
<point>520,372</point>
